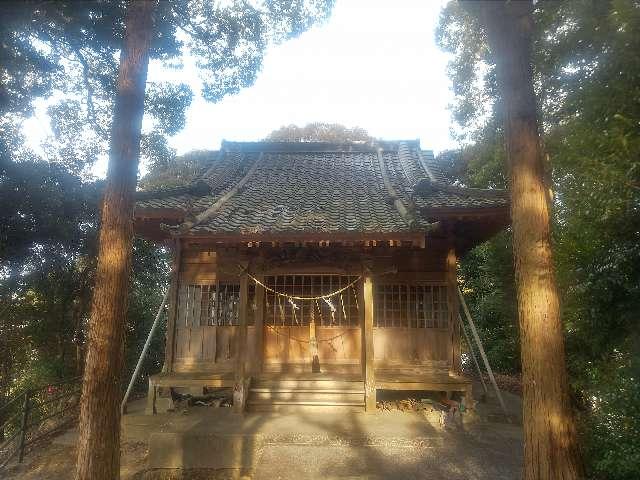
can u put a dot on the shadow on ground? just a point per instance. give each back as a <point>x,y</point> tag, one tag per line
<point>307,445</point>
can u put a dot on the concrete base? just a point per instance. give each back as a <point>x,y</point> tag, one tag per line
<point>185,450</point>
<point>163,405</point>
<point>308,445</point>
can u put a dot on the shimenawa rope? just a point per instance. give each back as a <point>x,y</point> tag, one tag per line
<point>301,340</point>
<point>295,297</point>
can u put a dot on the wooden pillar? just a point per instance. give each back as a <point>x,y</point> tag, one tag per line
<point>369,373</point>
<point>172,314</point>
<point>313,347</point>
<point>259,323</point>
<point>241,384</point>
<point>151,398</point>
<point>453,306</point>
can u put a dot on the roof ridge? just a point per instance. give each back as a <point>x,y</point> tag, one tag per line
<point>397,202</point>
<point>224,169</point>
<point>209,212</point>
<point>426,168</point>
<point>197,188</point>
<point>402,156</point>
<point>297,147</point>
<point>213,165</point>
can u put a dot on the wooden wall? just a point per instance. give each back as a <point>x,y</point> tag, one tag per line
<point>210,348</point>
<point>207,348</point>
<point>396,345</point>
<point>336,345</point>
<point>339,345</point>
<point>286,345</point>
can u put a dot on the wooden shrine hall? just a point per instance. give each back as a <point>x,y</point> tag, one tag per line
<point>313,274</point>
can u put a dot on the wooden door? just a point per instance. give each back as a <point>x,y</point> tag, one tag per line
<point>287,322</point>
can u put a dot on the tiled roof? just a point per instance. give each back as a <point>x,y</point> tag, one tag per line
<point>254,188</point>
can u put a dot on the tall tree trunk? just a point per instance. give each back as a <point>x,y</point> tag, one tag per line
<point>99,441</point>
<point>550,443</point>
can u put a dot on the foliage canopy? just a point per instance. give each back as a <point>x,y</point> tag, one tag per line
<point>62,58</point>
<point>319,132</point>
<point>587,82</point>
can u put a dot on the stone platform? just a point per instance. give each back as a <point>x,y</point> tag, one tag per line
<point>216,438</point>
<point>317,444</point>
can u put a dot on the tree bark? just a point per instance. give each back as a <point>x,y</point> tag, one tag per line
<point>99,439</point>
<point>550,443</point>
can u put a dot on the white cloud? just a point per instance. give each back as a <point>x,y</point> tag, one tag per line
<point>374,64</point>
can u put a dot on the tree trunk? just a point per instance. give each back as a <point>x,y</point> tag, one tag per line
<point>550,442</point>
<point>99,440</point>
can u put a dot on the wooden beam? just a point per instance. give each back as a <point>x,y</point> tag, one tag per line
<point>169,351</point>
<point>473,354</point>
<point>242,330</point>
<point>369,373</point>
<point>336,237</point>
<point>453,304</point>
<point>151,398</point>
<point>427,385</point>
<point>259,322</point>
<point>240,388</point>
<point>476,337</point>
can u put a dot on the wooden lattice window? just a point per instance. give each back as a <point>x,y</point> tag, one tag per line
<point>416,306</point>
<point>212,305</point>
<point>341,310</point>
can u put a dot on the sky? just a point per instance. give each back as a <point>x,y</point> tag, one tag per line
<point>373,64</point>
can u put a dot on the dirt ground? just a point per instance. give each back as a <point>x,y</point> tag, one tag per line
<point>55,461</point>
<point>388,445</point>
<point>451,460</point>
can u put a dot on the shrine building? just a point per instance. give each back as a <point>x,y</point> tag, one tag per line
<point>315,274</point>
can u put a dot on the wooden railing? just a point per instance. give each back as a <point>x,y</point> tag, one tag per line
<point>34,414</point>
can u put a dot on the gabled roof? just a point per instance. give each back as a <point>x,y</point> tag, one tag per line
<point>253,188</point>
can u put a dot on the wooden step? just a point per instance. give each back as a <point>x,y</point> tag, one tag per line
<point>306,402</point>
<point>307,397</point>
<point>345,377</point>
<point>302,408</point>
<point>303,368</point>
<point>304,384</point>
<point>307,391</point>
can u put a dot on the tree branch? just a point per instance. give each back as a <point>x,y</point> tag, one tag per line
<point>91,115</point>
<point>86,69</point>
